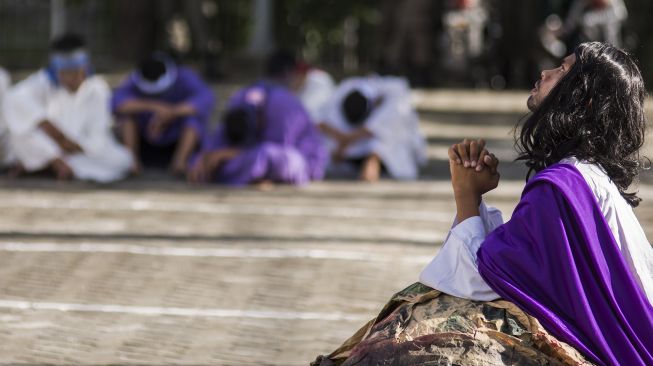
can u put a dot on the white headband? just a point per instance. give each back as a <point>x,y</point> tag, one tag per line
<point>161,84</point>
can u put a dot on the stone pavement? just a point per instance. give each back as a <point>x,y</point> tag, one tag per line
<point>155,272</point>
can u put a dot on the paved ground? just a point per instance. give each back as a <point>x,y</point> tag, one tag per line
<point>154,272</point>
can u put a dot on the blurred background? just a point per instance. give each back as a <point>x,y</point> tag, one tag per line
<point>497,44</point>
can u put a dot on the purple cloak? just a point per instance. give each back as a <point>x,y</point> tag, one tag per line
<point>557,260</point>
<point>188,87</point>
<point>288,149</point>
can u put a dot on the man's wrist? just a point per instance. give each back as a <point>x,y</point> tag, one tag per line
<point>467,205</point>
<point>467,196</point>
<point>183,109</point>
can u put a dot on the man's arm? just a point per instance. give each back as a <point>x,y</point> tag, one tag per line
<point>133,106</point>
<point>208,162</point>
<point>64,142</point>
<point>331,132</point>
<point>184,109</point>
<point>360,133</point>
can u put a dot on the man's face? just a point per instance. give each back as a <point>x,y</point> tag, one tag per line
<point>71,79</point>
<point>548,80</point>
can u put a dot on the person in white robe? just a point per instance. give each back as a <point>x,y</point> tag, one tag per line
<point>59,118</point>
<point>370,120</point>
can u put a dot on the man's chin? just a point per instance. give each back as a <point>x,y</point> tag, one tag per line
<point>531,103</point>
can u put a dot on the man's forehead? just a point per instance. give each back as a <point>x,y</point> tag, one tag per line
<point>569,60</point>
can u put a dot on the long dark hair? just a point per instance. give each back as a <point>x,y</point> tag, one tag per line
<point>595,113</point>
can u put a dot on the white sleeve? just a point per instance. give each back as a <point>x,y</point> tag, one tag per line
<point>454,269</point>
<point>25,104</point>
<point>491,217</point>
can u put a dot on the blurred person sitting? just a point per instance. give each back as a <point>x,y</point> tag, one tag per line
<point>163,110</point>
<point>266,135</point>
<point>594,20</point>
<point>370,123</point>
<point>59,118</point>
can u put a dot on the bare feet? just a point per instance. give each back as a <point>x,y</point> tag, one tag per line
<point>61,169</point>
<point>371,170</point>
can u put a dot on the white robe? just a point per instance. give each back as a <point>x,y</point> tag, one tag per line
<point>394,124</point>
<point>316,92</point>
<point>5,152</point>
<point>84,117</point>
<point>454,269</point>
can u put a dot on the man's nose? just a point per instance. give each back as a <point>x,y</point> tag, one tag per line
<point>545,74</point>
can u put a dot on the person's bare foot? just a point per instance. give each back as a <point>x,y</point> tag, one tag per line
<point>61,169</point>
<point>137,168</point>
<point>178,168</point>
<point>371,170</point>
<point>265,185</point>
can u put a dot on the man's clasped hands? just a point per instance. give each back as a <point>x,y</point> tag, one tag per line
<point>473,173</point>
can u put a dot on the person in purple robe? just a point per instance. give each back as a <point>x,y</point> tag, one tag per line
<point>266,135</point>
<point>572,256</point>
<point>163,109</point>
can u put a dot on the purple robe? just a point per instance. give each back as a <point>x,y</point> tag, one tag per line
<point>288,149</point>
<point>187,88</point>
<point>557,260</point>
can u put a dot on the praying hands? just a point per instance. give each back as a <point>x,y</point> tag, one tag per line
<point>473,173</point>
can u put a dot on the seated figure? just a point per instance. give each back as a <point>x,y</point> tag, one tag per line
<point>266,136</point>
<point>59,118</point>
<point>163,110</point>
<point>370,123</point>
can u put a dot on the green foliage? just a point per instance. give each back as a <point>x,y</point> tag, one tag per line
<point>232,24</point>
<point>316,27</point>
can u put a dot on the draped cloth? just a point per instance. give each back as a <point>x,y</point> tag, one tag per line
<point>286,148</point>
<point>559,262</point>
<point>423,326</point>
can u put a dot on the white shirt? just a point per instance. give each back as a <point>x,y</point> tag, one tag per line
<point>83,116</point>
<point>454,269</point>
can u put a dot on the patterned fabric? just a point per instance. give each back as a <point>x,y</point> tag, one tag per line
<point>422,326</point>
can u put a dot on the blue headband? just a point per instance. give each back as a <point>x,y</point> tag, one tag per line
<point>68,61</point>
<point>65,61</point>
